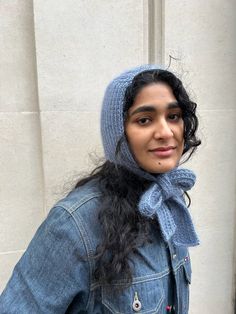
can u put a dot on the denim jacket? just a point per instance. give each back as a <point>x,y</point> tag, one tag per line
<point>51,276</point>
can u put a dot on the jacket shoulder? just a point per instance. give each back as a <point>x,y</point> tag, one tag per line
<point>82,197</point>
<point>83,205</point>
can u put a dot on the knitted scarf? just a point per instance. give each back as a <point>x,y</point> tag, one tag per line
<point>164,201</point>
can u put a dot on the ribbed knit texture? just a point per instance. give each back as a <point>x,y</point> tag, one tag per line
<point>112,120</point>
<point>164,199</point>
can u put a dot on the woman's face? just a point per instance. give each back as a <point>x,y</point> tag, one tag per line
<point>154,129</point>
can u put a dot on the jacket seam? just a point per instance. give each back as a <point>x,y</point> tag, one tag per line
<point>80,203</point>
<point>87,247</point>
<point>87,253</point>
<point>139,280</point>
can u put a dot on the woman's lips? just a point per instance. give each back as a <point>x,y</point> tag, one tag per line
<point>163,151</point>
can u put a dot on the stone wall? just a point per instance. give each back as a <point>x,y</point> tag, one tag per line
<point>56,58</point>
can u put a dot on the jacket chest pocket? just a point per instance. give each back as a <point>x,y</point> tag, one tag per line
<point>141,297</point>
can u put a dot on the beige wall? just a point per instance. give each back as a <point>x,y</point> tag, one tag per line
<point>202,34</point>
<point>56,59</point>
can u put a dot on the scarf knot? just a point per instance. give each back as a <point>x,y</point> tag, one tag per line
<point>164,201</point>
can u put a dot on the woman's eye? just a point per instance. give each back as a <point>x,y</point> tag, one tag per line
<point>143,121</point>
<point>174,116</point>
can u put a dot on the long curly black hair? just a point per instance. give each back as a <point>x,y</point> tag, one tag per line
<point>124,229</point>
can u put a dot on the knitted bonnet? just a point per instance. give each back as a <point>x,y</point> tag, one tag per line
<point>164,199</point>
<point>112,120</point>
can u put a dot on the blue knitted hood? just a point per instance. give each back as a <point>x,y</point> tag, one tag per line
<point>164,199</point>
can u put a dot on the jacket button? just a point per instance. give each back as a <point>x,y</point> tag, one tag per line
<point>174,256</point>
<point>136,304</point>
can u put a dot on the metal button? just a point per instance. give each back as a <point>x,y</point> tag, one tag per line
<point>136,304</point>
<point>174,256</point>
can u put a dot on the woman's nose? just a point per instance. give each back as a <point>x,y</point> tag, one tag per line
<point>162,130</point>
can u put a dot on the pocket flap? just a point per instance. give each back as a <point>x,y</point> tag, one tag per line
<point>149,295</point>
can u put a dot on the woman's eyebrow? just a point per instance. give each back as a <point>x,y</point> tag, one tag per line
<point>151,108</point>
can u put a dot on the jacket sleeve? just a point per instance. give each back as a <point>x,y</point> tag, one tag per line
<point>52,272</point>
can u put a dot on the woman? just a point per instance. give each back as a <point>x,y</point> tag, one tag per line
<point>118,243</point>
